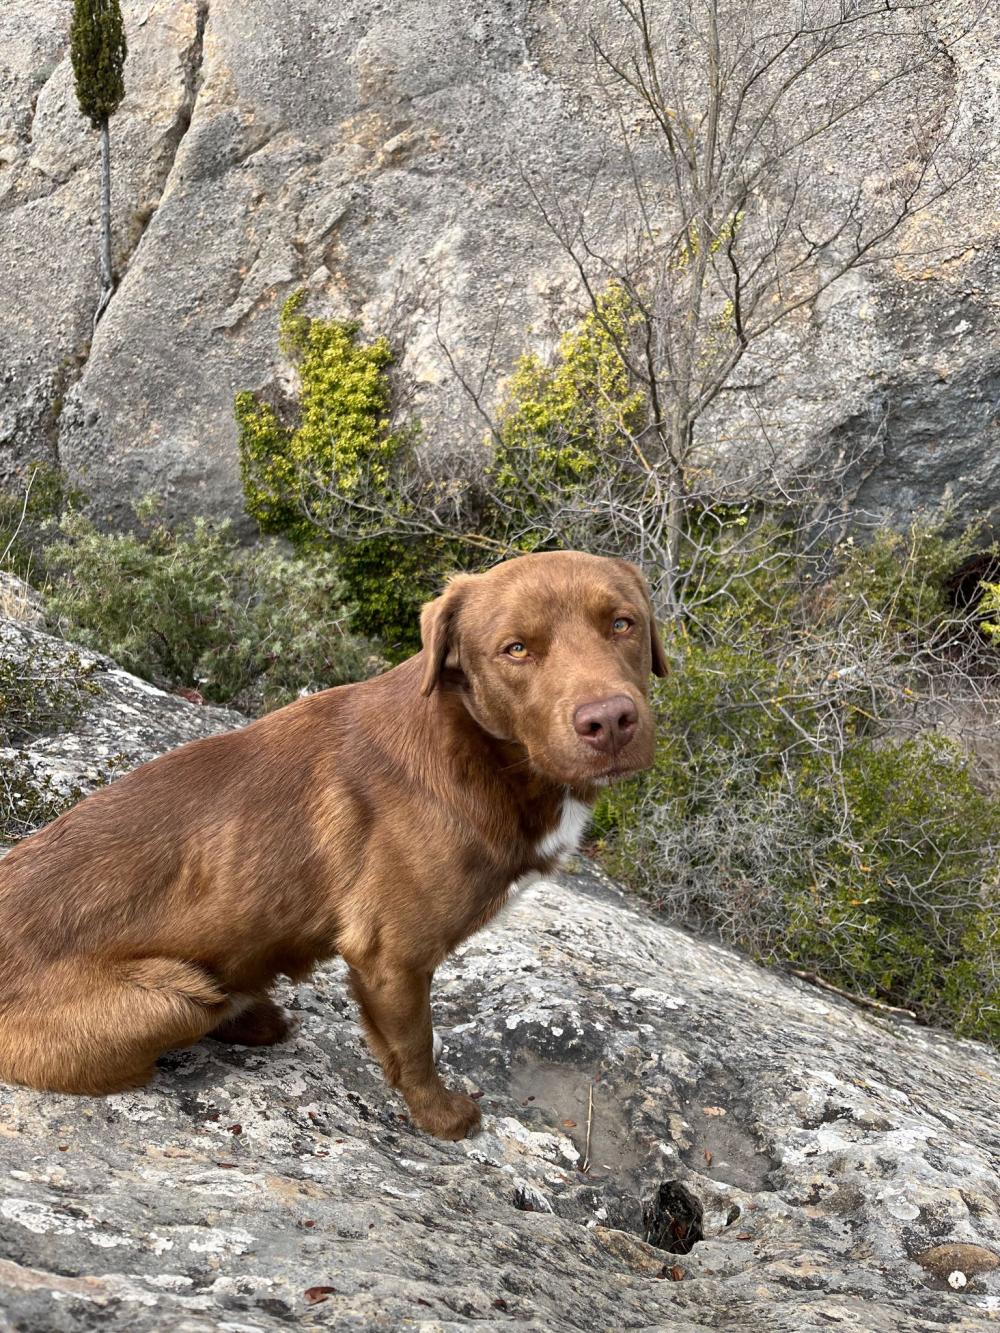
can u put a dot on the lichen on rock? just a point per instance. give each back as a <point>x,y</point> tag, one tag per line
<point>762,1155</point>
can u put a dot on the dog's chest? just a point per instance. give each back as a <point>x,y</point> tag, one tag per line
<point>564,839</point>
<point>553,847</point>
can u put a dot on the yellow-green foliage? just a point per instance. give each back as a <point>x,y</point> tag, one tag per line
<point>339,445</point>
<point>320,469</point>
<point>558,420</point>
<point>989,605</point>
<point>341,437</point>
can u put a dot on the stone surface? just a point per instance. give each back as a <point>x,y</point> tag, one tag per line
<point>49,199</point>
<point>800,1164</point>
<point>20,601</point>
<point>374,155</point>
<point>122,720</point>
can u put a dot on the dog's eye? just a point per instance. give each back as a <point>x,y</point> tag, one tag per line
<point>517,651</point>
<point>621,625</point>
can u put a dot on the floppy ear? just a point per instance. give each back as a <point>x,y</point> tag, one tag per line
<point>660,665</point>
<point>437,633</point>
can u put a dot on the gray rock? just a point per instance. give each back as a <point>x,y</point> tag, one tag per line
<point>369,151</point>
<point>121,721</point>
<point>19,600</point>
<point>49,200</point>
<point>762,1155</point>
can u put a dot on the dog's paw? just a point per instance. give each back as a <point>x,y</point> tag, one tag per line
<point>452,1116</point>
<point>263,1024</point>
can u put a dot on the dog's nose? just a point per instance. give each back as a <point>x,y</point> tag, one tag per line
<point>607,725</point>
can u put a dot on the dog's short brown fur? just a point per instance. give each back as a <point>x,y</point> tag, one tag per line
<point>384,821</point>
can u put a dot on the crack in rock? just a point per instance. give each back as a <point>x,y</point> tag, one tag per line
<point>191,61</point>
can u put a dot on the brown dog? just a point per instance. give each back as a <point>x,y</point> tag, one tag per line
<point>384,821</point>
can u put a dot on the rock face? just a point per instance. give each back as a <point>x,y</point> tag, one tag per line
<point>373,154</point>
<point>121,720</point>
<point>761,1155</point>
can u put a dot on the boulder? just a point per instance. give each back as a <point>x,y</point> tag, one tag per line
<point>674,1139</point>
<point>375,156</point>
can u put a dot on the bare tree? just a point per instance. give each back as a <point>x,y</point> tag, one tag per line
<point>730,222</point>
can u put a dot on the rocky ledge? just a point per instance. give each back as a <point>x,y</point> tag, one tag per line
<point>674,1139</point>
<point>115,720</point>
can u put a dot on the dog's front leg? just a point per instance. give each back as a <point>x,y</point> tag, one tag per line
<point>395,1006</point>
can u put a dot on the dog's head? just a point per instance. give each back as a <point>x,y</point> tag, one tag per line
<point>553,651</point>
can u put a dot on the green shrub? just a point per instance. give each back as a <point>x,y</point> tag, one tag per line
<point>904,897</point>
<point>340,446</point>
<point>899,578</point>
<point>389,579</point>
<point>797,806</point>
<point>25,513</point>
<point>245,626</point>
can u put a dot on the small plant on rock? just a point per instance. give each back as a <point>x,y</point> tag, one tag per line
<point>41,693</point>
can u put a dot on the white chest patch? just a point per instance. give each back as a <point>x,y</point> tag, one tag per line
<point>564,839</point>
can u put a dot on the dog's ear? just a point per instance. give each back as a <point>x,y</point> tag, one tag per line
<point>438,632</point>
<point>660,665</point>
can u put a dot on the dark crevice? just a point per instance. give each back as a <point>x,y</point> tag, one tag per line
<point>673,1219</point>
<point>528,1200</point>
<point>192,62</point>
<point>191,66</point>
<point>66,375</point>
<point>964,585</point>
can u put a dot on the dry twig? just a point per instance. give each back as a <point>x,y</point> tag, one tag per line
<point>585,1164</point>
<point>865,1001</point>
